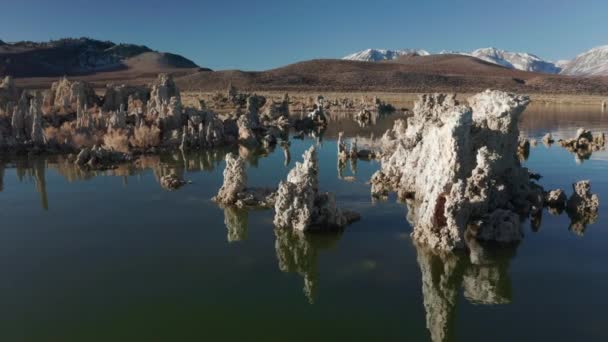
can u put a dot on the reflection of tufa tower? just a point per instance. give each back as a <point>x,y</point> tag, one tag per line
<point>236,221</point>
<point>1,176</point>
<point>295,253</point>
<point>38,169</point>
<point>483,277</point>
<point>298,253</point>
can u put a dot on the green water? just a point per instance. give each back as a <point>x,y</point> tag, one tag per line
<point>114,257</point>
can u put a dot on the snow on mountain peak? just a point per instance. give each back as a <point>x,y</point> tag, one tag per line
<point>375,55</point>
<point>591,63</point>
<point>512,60</point>
<point>516,60</point>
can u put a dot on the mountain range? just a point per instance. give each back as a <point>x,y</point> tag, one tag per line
<point>82,56</point>
<point>37,65</point>
<point>591,63</point>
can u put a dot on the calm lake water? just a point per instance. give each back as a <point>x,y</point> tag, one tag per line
<point>114,257</point>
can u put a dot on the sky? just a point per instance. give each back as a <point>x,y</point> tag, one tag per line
<point>264,34</point>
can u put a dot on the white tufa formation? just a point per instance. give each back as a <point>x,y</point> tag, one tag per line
<point>235,180</point>
<point>163,89</point>
<point>65,94</point>
<point>234,191</point>
<point>299,204</point>
<point>35,113</point>
<point>457,166</point>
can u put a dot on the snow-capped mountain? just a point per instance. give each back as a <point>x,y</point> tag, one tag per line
<point>516,60</point>
<point>513,60</point>
<point>375,55</point>
<point>591,63</point>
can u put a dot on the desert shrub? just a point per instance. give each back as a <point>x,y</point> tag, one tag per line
<point>117,140</point>
<point>145,136</point>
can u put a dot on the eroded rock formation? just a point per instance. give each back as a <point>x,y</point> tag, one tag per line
<point>35,113</point>
<point>98,158</point>
<point>234,191</point>
<point>124,95</point>
<point>300,205</point>
<point>9,95</point>
<point>171,182</point>
<point>584,143</point>
<point>65,95</point>
<point>163,89</point>
<point>582,206</point>
<point>457,166</point>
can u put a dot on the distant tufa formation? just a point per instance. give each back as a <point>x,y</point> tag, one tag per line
<point>457,168</point>
<point>132,120</point>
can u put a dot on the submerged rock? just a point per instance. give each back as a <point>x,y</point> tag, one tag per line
<point>98,158</point>
<point>299,204</point>
<point>584,143</point>
<point>548,139</point>
<point>171,182</point>
<point>556,199</point>
<point>582,206</point>
<point>457,165</point>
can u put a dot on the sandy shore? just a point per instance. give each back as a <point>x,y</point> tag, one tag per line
<point>406,100</point>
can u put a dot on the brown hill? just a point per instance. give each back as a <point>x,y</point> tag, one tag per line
<point>40,63</point>
<point>415,74</point>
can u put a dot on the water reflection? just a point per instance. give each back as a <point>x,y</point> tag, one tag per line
<point>482,276</point>
<point>298,253</point>
<point>236,221</point>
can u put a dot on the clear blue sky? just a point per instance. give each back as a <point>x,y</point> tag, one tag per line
<point>255,35</point>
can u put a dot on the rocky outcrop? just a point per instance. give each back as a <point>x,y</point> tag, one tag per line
<point>457,166</point>
<point>120,95</point>
<point>203,130</point>
<point>118,119</point>
<point>65,95</point>
<point>19,127</point>
<point>300,206</point>
<point>556,199</point>
<point>9,95</point>
<point>98,158</point>
<point>523,149</point>
<point>35,113</point>
<point>247,135</point>
<point>234,191</point>
<point>163,89</point>
<point>582,206</point>
<point>171,182</point>
<point>548,139</point>
<point>317,116</point>
<point>584,143</point>
<point>276,110</point>
<point>364,118</point>
<point>314,119</point>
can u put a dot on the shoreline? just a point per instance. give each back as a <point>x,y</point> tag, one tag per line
<point>407,99</point>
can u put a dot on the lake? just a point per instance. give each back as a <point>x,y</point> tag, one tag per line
<point>111,256</point>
